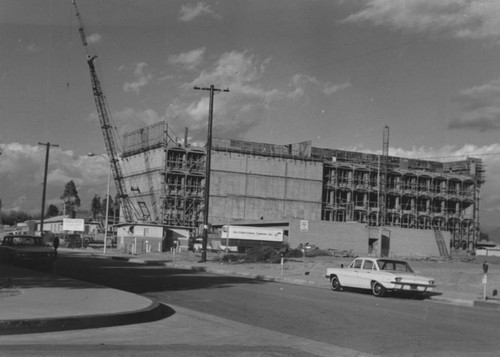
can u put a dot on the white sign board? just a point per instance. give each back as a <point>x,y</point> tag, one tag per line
<point>252,233</point>
<point>73,224</point>
<point>304,225</point>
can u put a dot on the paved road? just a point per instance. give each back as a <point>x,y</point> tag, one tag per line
<point>357,321</point>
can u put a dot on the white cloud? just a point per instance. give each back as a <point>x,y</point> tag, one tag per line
<point>22,173</point>
<point>241,73</point>
<point>130,119</point>
<point>94,38</point>
<point>32,48</point>
<point>480,108</point>
<point>190,12</point>
<point>189,60</point>
<point>299,83</point>
<point>330,89</point>
<point>142,79</point>
<point>455,18</point>
<point>248,101</point>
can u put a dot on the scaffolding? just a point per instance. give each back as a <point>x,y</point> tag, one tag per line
<point>167,181</point>
<point>165,177</point>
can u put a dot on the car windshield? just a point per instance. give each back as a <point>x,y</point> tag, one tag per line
<point>25,241</point>
<point>394,265</point>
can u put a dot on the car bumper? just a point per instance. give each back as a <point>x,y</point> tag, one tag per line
<point>415,287</point>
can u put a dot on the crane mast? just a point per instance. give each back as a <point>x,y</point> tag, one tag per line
<point>105,122</point>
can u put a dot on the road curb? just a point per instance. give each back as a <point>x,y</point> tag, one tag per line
<point>487,304</point>
<point>154,312</point>
<point>458,302</point>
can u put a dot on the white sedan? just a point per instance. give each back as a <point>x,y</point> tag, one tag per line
<point>380,275</point>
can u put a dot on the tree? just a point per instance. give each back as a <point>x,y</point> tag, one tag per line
<point>70,198</point>
<point>96,206</point>
<point>110,207</point>
<point>52,211</point>
<point>15,217</point>
<point>484,236</point>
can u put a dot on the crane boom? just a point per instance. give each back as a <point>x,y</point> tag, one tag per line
<point>108,130</point>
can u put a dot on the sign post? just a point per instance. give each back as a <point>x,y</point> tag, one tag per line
<point>485,278</point>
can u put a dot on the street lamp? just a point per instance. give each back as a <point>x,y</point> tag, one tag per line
<point>90,154</point>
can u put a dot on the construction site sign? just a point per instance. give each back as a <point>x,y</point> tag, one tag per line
<point>255,233</point>
<point>73,224</point>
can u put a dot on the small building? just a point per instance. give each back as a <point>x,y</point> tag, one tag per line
<point>138,238</point>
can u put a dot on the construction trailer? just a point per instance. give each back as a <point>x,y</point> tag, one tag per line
<point>259,182</point>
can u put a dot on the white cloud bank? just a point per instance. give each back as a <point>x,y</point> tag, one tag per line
<point>190,12</point>
<point>446,18</point>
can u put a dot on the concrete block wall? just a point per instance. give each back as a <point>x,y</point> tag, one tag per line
<point>246,186</point>
<point>355,236</point>
<point>412,242</point>
<point>330,235</point>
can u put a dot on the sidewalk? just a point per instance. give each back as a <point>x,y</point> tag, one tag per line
<point>36,302</point>
<point>33,301</point>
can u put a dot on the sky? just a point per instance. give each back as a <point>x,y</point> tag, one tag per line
<point>335,72</point>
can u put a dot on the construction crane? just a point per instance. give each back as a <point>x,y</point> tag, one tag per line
<point>108,131</point>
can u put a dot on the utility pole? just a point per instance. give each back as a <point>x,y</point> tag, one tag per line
<point>384,179</point>
<point>207,166</point>
<point>48,145</point>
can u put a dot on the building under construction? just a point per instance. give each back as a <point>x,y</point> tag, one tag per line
<point>313,193</point>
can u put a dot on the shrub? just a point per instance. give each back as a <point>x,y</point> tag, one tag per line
<point>316,253</point>
<point>262,254</point>
<point>232,258</point>
<point>294,253</point>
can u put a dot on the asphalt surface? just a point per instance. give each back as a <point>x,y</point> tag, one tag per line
<point>33,301</point>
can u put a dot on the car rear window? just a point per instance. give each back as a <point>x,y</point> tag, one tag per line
<point>394,265</point>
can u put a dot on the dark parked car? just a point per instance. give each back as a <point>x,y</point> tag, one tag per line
<point>75,241</point>
<point>26,249</point>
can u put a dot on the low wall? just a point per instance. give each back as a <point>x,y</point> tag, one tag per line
<point>415,242</point>
<point>355,237</point>
<point>330,235</point>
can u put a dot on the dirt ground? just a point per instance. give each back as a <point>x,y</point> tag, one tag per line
<point>458,278</point>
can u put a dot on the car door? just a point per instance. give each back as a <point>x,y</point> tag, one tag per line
<point>350,275</point>
<point>365,274</point>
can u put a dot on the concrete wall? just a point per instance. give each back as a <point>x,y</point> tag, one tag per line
<point>355,236</point>
<point>253,187</point>
<point>143,173</point>
<point>412,242</point>
<point>330,235</point>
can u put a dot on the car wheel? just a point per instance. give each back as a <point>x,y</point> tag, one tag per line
<point>335,284</point>
<point>378,289</point>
